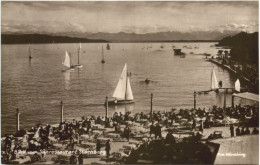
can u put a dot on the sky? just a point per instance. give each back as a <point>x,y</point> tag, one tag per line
<point>131,17</point>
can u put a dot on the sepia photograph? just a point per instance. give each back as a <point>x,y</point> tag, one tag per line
<point>129,82</point>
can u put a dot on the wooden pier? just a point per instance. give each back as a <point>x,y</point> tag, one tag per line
<point>231,70</point>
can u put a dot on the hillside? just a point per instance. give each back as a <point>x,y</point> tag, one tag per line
<point>42,38</point>
<point>161,36</point>
<point>244,47</point>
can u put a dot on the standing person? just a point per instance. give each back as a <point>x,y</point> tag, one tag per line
<point>127,133</point>
<point>243,131</point>
<point>73,159</point>
<point>107,148</point>
<point>255,131</point>
<point>98,146</point>
<point>158,132</point>
<point>151,129</point>
<point>80,158</point>
<point>247,132</point>
<point>232,130</point>
<point>201,126</point>
<point>238,131</point>
<point>193,124</point>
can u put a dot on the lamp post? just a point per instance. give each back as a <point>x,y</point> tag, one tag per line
<point>194,94</point>
<point>61,111</point>
<point>106,106</point>
<point>17,120</point>
<point>151,112</point>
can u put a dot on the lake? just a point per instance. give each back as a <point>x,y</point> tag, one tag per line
<point>37,87</point>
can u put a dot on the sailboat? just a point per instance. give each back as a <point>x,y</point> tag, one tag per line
<point>78,65</point>
<point>214,81</point>
<point>67,62</point>
<point>108,46</point>
<point>213,85</point>
<point>123,93</point>
<point>237,86</point>
<point>103,58</point>
<point>162,46</point>
<point>30,54</point>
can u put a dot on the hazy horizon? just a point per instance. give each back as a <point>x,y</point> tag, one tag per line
<point>129,17</point>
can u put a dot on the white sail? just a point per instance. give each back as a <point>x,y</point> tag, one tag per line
<point>129,93</point>
<point>237,85</point>
<point>67,60</point>
<point>214,81</point>
<point>80,45</point>
<point>120,90</point>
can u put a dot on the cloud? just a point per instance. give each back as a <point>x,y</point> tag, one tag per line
<point>131,16</point>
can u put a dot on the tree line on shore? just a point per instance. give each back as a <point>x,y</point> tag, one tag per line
<point>244,48</point>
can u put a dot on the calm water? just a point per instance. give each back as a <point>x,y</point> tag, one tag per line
<point>37,88</point>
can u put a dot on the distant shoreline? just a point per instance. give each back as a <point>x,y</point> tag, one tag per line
<point>172,41</point>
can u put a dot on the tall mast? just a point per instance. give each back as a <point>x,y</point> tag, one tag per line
<point>70,60</point>
<point>78,56</point>
<point>126,82</point>
<point>102,54</point>
<point>30,52</point>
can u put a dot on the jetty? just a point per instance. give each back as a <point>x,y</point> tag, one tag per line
<point>227,67</point>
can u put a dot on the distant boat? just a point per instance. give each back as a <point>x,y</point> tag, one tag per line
<point>183,56</point>
<point>237,85</point>
<point>162,46</point>
<point>178,52</point>
<point>214,81</point>
<point>103,58</point>
<point>108,46</point>
<point>147,81</point>
<point>78,65</point>
<point>123,92</point>
<point>67,62</point>
<point>30,54</point>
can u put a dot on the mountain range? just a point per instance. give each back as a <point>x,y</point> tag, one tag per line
<point>159,36</point>
<point>115,37</point>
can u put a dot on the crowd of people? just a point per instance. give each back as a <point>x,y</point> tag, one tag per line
<point>42,137</point>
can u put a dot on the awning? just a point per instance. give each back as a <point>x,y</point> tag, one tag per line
<point>248,96</point>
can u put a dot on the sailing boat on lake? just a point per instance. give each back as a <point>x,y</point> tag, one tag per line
<point>162,46</point>
<point>78,65</point>
<point>214,81</point>
<point>67,62</point>
<point>108,46</point>
<point>103,58</point>
<point>30,54</point>
<point>123,93</point>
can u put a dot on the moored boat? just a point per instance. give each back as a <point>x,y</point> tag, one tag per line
<point>178,52</point>
<point>30,54</point>
<point>78,65</point>
<point>103,58</point>
<point>108,46</point>
<point>67,62</point>
<point>123,93</point>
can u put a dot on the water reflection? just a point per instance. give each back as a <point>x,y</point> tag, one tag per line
<point>67,79</point>
<point>125,108</point>
<point>78,74</point>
